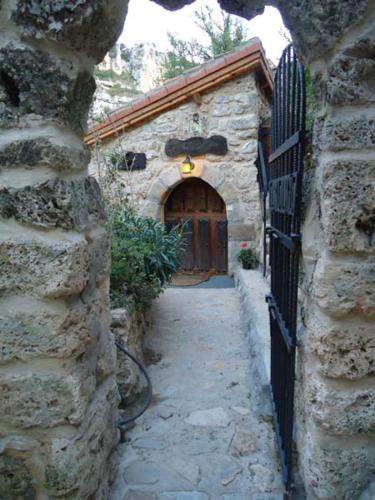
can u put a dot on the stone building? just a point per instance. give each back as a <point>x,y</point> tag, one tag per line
<point>212,115</point>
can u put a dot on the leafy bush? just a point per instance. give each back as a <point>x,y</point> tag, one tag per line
<point>144,254</point>
<point>144,258</point>
<point>248,257</point>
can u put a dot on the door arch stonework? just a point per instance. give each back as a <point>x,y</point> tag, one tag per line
<point>239,229</point>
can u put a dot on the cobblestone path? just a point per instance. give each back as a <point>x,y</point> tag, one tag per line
<point>208,434</point>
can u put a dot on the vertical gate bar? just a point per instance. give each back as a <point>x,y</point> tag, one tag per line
<point>285,183</point>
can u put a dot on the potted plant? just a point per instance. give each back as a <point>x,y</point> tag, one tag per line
<point>248,257</point>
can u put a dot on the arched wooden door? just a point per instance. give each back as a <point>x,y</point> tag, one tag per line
<point>206,236</point>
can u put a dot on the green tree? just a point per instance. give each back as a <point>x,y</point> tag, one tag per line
<point>224,33</point>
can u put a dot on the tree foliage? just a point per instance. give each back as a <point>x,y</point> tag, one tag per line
<point>224,33</point>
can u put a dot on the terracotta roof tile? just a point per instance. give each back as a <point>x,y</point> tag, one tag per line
<point>246,58</point>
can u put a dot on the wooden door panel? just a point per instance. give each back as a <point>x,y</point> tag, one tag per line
<point>190,202</point>
<point>187,261</point>
<point>222,245</point>
<point>203,245</point>
<point>205,233</point>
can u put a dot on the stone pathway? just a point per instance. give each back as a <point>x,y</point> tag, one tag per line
<point>208,434</point>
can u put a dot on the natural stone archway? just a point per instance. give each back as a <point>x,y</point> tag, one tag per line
<point>57,386</point>
<point>238,229</point>
<point>59,396</point>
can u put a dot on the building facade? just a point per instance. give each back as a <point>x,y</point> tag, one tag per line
<point>214,121</point>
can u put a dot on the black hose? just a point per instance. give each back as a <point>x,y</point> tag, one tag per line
<point>123,423</point>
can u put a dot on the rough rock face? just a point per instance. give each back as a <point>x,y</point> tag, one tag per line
<point>129,329</point>
<point>57,383</point>
<point>55,203</point>
<point>42,85</point>
<point>123,74</point>
<point>90,28</point>
<point>173,4</point>
<point>43,152</point>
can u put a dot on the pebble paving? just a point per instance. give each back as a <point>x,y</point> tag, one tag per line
<point>208,434</point>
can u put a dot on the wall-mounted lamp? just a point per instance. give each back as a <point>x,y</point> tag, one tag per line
<point>187,165</point>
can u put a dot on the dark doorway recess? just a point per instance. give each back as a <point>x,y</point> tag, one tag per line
<point>203,211</point>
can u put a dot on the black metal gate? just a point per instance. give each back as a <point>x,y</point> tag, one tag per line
<point>285,170</point>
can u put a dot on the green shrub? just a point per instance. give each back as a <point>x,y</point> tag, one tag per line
<point>248,257</point>
<point>144,258</point>
<point>144,254</point>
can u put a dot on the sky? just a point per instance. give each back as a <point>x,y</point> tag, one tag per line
<point>148,22</point>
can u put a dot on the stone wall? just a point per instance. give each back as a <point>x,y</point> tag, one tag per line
<point>234,110</point>
<point>335,383</point>
<point>129,329</point>
<point>58,391</point>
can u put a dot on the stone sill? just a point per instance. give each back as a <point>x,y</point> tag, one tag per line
<point>252,289</point>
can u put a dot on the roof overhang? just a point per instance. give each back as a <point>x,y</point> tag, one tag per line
<point>178,90</point>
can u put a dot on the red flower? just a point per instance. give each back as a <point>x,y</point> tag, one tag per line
<point>244,244</point>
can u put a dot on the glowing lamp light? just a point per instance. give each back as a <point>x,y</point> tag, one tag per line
<point>187,165</point>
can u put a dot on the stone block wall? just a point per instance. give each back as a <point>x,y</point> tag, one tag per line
<point>235,110</point>
<point>129,329</point>
<point>336,359</point>
<point>58,391</point>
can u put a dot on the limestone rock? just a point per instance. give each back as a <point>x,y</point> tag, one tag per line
<point>99,250</point>
<point>243,8</point>
<point>44,269</point>
<point>150,443</point>
<point>263,477</point>
<point>140,495</point>
<point>341,410</point>
<point>41,85</point>
<point>55,203</point>
<point>214,417</point>
<point>351,72</point>
<point>15,479</point>
<point>44,152</point>
<point>343,287</point>
<point>184,495</point>
<point>80,463</point>
<point>129,329</point>
<point>45,399</point>
<point>246,124</point>
<point>244,443</point>
<point>189,470</point>
<point>342,349</point>
<point>173,4</point>
<point>70,23</point>
<point>348,205</point>
<point>170,176</point>
<point>147,473</point>
<point>107,360</point>
<point>33,328</point>
<point>338,134</point>
<point>336,469</point>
